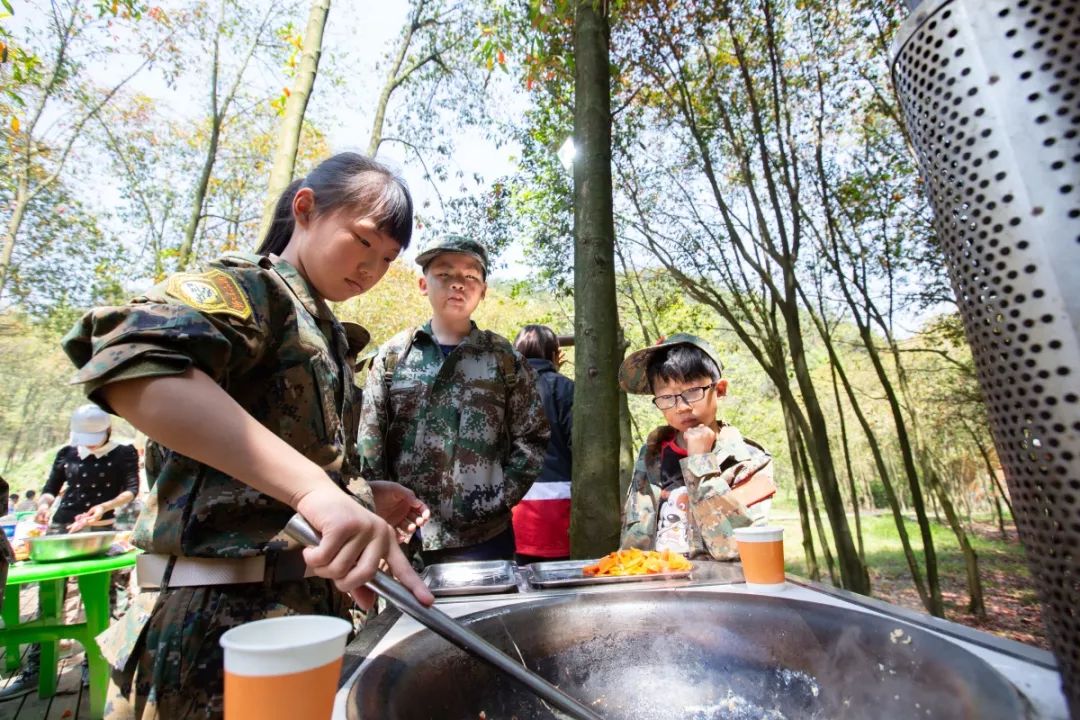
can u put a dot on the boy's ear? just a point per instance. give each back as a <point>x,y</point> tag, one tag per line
<point>302,205</point>
<point>423,285</point>
<point>721,387</point>
<point>483,291</point>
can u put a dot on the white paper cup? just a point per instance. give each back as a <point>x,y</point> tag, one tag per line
<point>286,667</point>
<point>761,550</point>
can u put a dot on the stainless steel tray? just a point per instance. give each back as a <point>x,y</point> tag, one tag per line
<point>479,577</point>
<point>54,548</point>
<point>566,573</point>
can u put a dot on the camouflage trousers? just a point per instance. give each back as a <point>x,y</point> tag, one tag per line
<point>173,667</point>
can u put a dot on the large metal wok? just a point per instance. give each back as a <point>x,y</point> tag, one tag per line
<point>668,655</point>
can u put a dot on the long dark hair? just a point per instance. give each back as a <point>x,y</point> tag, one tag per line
<point>346,180</point>
<point>537,341</point>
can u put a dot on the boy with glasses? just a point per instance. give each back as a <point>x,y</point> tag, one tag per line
<point>696,478</point>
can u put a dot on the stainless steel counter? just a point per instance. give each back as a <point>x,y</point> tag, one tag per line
<point>1031,670</point>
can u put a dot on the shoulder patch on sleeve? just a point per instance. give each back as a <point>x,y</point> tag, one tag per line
<point>212,292</point>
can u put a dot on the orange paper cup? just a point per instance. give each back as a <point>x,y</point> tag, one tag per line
<point>761,550</point>
<point>285,667</point>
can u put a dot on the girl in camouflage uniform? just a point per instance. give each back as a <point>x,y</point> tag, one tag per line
<point>239,375</point>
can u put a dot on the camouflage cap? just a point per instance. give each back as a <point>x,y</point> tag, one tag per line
<point>357,335</point>
<point>453,244</point>
<point>632,375</point>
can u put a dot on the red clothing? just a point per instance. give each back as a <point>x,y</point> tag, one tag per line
<point>673,446</point>
<point>542,520</point>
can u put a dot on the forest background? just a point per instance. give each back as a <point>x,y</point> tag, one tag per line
<point>764,196</point>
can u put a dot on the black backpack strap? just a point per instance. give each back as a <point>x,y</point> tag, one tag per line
<point>507,369</point>
<point>390,365</point>
<point>393,358</point>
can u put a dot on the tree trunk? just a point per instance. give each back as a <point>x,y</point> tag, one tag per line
<point>31,394</point>
<point>991,495</point>
<point>18,211</point>
<point>292,122</point>
<point>991,473</point>
<point>847,460</point>
<point>191,228</point>
<point>594,524</point>
<point>870,503</point>
<point>812,501</point>
<point>812,569</point>
<point>976,605</point>
<point>394,78</point>
<point>627,456</point>
<point>965,497</point>
<point>218,114</point>
<point>1001,519</point>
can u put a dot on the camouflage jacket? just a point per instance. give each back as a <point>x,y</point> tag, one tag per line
<point>714,513</point>
<point>466,433</point>
<point>255,326</point>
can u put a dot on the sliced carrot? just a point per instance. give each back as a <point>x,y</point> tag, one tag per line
<point>633,561</point>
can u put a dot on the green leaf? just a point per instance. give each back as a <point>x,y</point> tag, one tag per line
<point>7,6</point>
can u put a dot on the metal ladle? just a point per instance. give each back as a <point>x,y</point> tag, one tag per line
<point>442,624</point>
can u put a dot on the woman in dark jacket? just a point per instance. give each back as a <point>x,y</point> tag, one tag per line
<point>542,518</point>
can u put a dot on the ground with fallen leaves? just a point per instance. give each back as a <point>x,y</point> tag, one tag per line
<point>1012,607</point>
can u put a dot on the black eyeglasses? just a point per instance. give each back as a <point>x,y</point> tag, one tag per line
<point>689,396</point>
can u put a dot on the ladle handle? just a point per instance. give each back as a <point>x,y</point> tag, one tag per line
<point>436,620</point>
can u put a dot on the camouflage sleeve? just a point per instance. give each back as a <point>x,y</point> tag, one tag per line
<point>352,466</point>
<point>167,331</point>
<point>715,509</point>
<point>373,421</point>
<point>528,429</point>
<point>360,491</point>
<point>753,483</point>
<point>639,511</point>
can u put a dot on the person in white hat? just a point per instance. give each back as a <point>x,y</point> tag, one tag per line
<point>100,475</point>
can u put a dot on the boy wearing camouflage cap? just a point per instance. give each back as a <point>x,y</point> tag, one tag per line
<point>452,412</point>
<point>696,478</point>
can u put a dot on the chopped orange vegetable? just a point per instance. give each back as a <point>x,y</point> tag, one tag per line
<point>637,562</point>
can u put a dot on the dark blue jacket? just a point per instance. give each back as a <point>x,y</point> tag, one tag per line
<point>557,393</point>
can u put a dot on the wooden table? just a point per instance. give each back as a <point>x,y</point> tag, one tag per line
<point>92,574</point>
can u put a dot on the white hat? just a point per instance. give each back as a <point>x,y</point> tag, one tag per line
<point>89,425</point>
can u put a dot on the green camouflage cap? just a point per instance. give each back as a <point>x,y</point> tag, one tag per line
<point>632,376</point>
<point>453,244</point>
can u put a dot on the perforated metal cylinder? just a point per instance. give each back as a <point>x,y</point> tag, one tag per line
<point>990,91</point>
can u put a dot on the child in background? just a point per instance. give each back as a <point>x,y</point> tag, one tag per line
<point>452,412</point>
<point>542,518</point>
<point>696,478</point>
